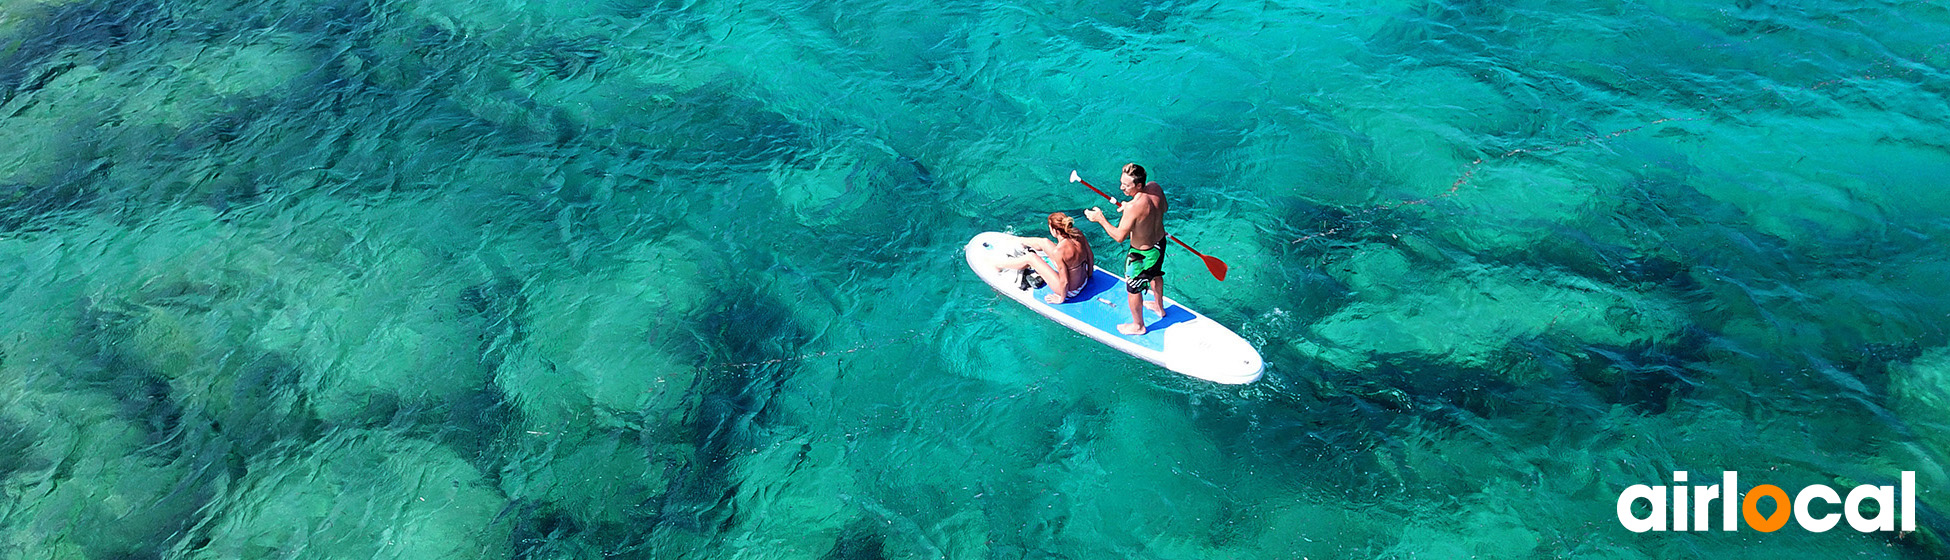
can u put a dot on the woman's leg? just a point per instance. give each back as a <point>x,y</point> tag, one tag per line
<point>1016,262</point>
<point>1041,266</point>
<point>1037,264</point>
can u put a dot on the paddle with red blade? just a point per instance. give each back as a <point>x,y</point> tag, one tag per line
<point>1218,267</point>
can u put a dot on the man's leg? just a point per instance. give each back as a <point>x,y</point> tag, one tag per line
<point>1136,326</point>
<point>1158,295</point>
<point>1133,279</point>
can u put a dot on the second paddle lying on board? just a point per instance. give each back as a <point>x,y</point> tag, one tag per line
<point>1218,267</point>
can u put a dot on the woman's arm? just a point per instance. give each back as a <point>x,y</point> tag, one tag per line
<point>1038,244</point>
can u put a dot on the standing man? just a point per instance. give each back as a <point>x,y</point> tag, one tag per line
<point>1143,222</point>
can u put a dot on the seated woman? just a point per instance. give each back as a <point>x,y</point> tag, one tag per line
<point>1069,261</point>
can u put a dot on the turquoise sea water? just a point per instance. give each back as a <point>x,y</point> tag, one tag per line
<point>433,279</point>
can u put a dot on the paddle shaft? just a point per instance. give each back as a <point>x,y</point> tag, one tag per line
<point>1113,200</point>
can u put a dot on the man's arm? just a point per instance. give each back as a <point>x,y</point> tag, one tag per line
<point>1122,230</point>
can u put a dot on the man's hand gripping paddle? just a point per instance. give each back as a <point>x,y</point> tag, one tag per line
<point>1218,267</point>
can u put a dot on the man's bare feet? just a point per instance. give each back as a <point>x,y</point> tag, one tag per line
<point>1132,329</point>
<point>1054,298</point>
<point>1155,307</point>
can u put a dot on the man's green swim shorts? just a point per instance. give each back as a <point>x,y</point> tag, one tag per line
<point>1142,266</point>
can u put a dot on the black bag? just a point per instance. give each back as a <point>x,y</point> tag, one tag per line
<point>1028,279</point>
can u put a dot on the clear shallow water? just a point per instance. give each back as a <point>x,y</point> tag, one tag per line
<point>431,279</point>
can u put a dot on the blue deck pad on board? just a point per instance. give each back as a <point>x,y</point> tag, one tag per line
<point>1103,304</point>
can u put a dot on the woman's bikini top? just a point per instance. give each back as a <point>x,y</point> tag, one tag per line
<point>1083,266</point>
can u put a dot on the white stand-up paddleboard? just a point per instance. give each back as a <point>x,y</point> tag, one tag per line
<point>1182,341</point>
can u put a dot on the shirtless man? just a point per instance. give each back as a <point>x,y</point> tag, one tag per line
<point>1143,222</point>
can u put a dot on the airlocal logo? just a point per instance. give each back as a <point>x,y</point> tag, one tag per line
<point>1728,495</point>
